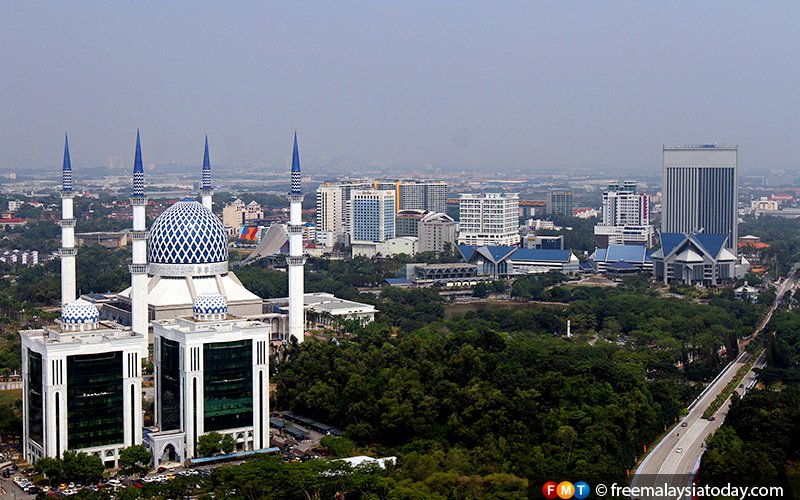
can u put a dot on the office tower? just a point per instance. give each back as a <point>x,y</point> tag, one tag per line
<point>436,230</point>
<point>330,222</point>
<point>559,202</point>
<point>700,191</point>
<point>488,219</point>
<point>422,195</point>
<point>333,211</point>
<point>212,375</point>
<point>625,217</point>
<point>372,215</point>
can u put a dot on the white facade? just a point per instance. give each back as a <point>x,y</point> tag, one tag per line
<point>489,219</point>
<point>626,216</point>
<point>700,191</point>
<point>330,207</point>
<point>59,350</point>
<point>408,245</point>
<point>181,418</point>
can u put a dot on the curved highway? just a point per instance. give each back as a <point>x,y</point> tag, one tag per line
<point>675,459</point>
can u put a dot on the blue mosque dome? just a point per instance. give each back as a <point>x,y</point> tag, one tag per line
<point>210,306</point>
<point>187,240</point>
<point>79,312</point>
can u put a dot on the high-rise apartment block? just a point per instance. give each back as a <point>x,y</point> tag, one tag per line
<point>559,202</point>
<point>700,191</point>
<point>333,211</point>
<point>489,219</point>
<point>625,218</point>
<point>334,203</point>
<point>372,215</point>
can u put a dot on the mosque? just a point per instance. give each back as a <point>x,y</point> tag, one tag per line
<point>82,376</point>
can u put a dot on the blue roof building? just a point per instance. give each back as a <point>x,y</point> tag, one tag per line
<point>695,259</point>
<point>502,261</point>
<point>636,258</point>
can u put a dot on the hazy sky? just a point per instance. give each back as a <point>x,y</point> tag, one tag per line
<point>540,85</point>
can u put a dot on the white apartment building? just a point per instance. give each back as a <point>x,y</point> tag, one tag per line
<point>489,219</point>
<point>625,217</point>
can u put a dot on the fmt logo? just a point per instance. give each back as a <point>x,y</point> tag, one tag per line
<point>565,490</point>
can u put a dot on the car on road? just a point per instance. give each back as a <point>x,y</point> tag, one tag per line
<point>683,424</point>
<point>678,450</point>
<point>712,418</point>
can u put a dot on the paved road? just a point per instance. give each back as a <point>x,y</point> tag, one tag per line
<point>675,458</point>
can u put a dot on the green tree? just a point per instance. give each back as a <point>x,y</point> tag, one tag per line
<point>227,444</point>
<point>212,443</point>
<point>135,458</point>
<point>338,446</point>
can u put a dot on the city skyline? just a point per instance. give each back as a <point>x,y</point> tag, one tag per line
<point>519,86</point>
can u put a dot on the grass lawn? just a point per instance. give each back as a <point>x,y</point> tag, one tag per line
<point>10,396</point>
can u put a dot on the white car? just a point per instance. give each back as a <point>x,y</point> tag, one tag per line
<point>679,450</point>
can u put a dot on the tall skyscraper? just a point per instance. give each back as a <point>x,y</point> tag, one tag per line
<point>488,219</point>
<point>330,222</point>
<point>422,195</point>
<point>700,190</point>
<point>372,215</point>
<point>559,202</point>
<point>625,218</point>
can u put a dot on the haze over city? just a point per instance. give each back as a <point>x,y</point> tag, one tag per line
<point>515,85</point>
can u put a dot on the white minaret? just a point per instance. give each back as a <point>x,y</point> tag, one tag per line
<point>206,193</point>
<point>68,250</point>
<point>138,267</point>
<point>295,260</point>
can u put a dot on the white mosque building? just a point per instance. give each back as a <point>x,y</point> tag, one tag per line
<point>82,380</point>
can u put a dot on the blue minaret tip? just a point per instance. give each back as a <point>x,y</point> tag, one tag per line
<point>137,161</point>
<point>206,160</point>
<point>138,169</point>
<point>66,169</point>
<point>67,163</point>
<point>296,187</point>
<point>295,156</point>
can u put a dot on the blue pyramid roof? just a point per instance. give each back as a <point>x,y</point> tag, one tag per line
<point>711,243</point>
<point>670,240</point>
<point>495,252</point>
<point>206,160</point>
<point>466,251</point>
<point>295,156</point>
<point>137,160</point>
